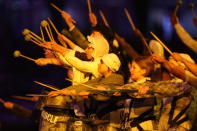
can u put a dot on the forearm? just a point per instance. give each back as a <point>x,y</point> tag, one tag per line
<point>175,70</point>
<point>191,66</point>
<point>54,61</point>
<point>79,38</point>
<point>169,88</point>
<point>84,66</point>
<point>60,49</point>
<point>186,38</point>
<point>127,47</point>
<point>69,42</point>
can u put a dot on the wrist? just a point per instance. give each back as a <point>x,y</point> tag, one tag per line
<point>70,25</point>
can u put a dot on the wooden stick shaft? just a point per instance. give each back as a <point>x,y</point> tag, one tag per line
<point>80,83</point>
<point>50,21</point>
<point>35,95</point>
<point>22,98</point>
<point>35,39</point>
<point>35,42</point>
<point>38,37</point>
<point>104,18</point>
<point>46,85</point>
<point>146,44</point>
<point>167,49</point>
<point>27,57</point>
<point>89,6</point>
<point>42,34</point>
<point>176,9</point>
<point>129,18</point>
<point>50,31</point>
<point>54,6</point>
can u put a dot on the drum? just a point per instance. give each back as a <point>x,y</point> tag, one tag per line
<point>57,113</point>
<point>58,102</point>
<point>80,126</point>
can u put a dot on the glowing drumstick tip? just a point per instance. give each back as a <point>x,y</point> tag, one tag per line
<point>44,23</point>
<point>179,2</point>
<point>26,32</point>
<point>17,53</point>
<point>27,37</point>
<point>191,5</point>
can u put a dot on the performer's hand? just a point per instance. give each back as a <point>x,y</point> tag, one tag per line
<point>174,19</point>
<point>195,21</point>
<point>70,22</point>
<point>119,87</point>
<point>47,45</point>
<point>35,98</point>
<point>58,48</point>
<point>8,105</point>
<point>48,53</point>
<point>67,92</point>
<point>117,94</point>
<point>101,88</point>
<point>157,58</point>
<point>61,39</point>
<point>93,19</point>
<point>84,94</point>
<point>41,61</point>
<point>54,93</point>
<point>177,56</point>
<point>143,90</point>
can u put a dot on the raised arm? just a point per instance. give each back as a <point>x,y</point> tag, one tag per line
<point>183,34</point>
<point>127,47</point>
<point>77,36</point>
<point>172,68</point>
<point>46,61</point>
<point>192,67</point>
<point>84,66</point>
<point>53,46</point>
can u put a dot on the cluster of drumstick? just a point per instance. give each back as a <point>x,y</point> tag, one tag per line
<point>46,25</point>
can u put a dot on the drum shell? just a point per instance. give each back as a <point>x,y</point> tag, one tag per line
<point>58,102</point>
<point>80,126</point>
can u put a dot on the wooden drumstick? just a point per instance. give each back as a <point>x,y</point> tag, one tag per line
<point>178,4</point>
<point>22,98</point>
<point>54,6</point>
<point>167,49</point>
<point>130,19</point>
<point>50,31</point>
<point>17,53</point>
<point>89,6</point>
<point>50,21</point>
<point>81,84</point>
<point>42,34</point>
<point>191,5</point>
<point>104,18</point>
<point>35,95</point>
<point>48,86</point>
<point>26,32</point>
<point>44,24</point>
<point>29,37</point>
